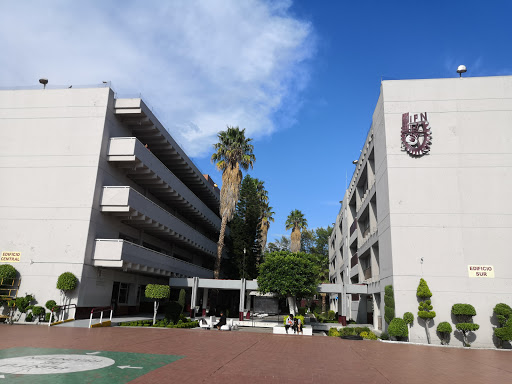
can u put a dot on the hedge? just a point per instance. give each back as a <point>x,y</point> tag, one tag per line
<point>398,328</point>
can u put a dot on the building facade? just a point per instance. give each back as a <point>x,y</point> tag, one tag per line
<point>95,185</point>
<point>430,198</point>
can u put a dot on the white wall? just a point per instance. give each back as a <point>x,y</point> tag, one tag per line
<point>49,152</point>
<point>452,208</point>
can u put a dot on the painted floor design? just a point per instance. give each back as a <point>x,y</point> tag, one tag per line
<point>56,366</point>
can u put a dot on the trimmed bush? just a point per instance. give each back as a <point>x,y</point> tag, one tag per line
<point>47,317</point>
<point>51,304</point>
<point>29,318</point>
<point>389,304</point>
<point>347,331</point>
<point>158,292</point>
<point>23,303</point>
<point>333,332</point>
<point>425,308</point>
<point>38,312</point>
<point>408,318</point>
<point>503,313</point>
<point>182,299</point>
<point>368,335</point>
<point>67,282</point>
<point>173,311</point>
<point>464,314</point>
<point>358,330</point>
<point>444,329</point>
<point>331,315</point>
<point>7,272</point>
<point>384,336</point>
<point>398,328</point>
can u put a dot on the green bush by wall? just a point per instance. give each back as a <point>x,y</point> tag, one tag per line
<point>67,282</point>
<point>7,272</point>
<point>464,314</point>
<point>444,329</point>
<point>398,328</point>
<point>389,304</point>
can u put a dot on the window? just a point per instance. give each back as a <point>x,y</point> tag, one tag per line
<point>124,289</point>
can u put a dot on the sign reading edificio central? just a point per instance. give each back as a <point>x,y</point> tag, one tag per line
<point>10,257</point>
<point>481,271</point>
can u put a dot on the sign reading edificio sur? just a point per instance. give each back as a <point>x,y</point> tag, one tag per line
<point>10,257</point>
<point>481,271</point>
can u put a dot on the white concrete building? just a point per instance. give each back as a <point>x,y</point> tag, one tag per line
<point>96,186</point>
<point>430,198</point>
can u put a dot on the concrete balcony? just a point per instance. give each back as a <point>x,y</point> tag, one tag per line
<point>136,115</point>
<point>114,253</point>
<point>143,167</point>
<point>141,213</point>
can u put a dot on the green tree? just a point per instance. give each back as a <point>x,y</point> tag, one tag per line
<point>157,292</point>
<point>232,152</point>
<point>503,332</point>
<point>389,304</point>
<point>425,308</point>
<point>245,227</point>
<point>267,217</point>
<point>464,314</point>
<point>296,222</point>
<point>290,275</point>
<point>282,244</point>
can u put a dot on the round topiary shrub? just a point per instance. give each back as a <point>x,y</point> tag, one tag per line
<point>67,282</point>
<point>408,318</point>
<point>7,272</point>
<point>38,312</point>
<point>444,329</point>
<point>50,304</point>
<point>398,328</point>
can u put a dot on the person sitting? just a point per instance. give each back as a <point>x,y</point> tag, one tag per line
<point>299,325</point>
<point>295,325</point>
<point>289,322</point>
<point>222,320</point>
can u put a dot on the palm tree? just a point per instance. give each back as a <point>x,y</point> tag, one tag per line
<point>266,217</point>
<point>232,152</point>
<point>296,222</point>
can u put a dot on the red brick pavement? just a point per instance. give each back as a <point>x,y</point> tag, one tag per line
<point>238,357</point>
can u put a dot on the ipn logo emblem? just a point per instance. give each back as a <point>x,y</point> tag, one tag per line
<point>416,134</point>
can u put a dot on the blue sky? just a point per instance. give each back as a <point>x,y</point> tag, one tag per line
<point>302,77</point>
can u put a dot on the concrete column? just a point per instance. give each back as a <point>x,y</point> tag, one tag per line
<point>205,301</point>
<point>248,305</point>
<point>342,308</point>
<point>242,300</point>
<point>193,298</point>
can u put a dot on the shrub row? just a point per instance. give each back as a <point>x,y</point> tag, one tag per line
<point>161,324</point>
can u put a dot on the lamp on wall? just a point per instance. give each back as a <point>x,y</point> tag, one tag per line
<point>44,82</point>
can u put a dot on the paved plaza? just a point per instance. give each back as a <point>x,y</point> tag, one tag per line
<point>161,355</point>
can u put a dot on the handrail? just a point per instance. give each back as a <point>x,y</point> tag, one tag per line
<point>101,310</point>
<point>60,308</point>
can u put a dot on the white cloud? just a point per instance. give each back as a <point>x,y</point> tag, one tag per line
<point>201,64</point>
